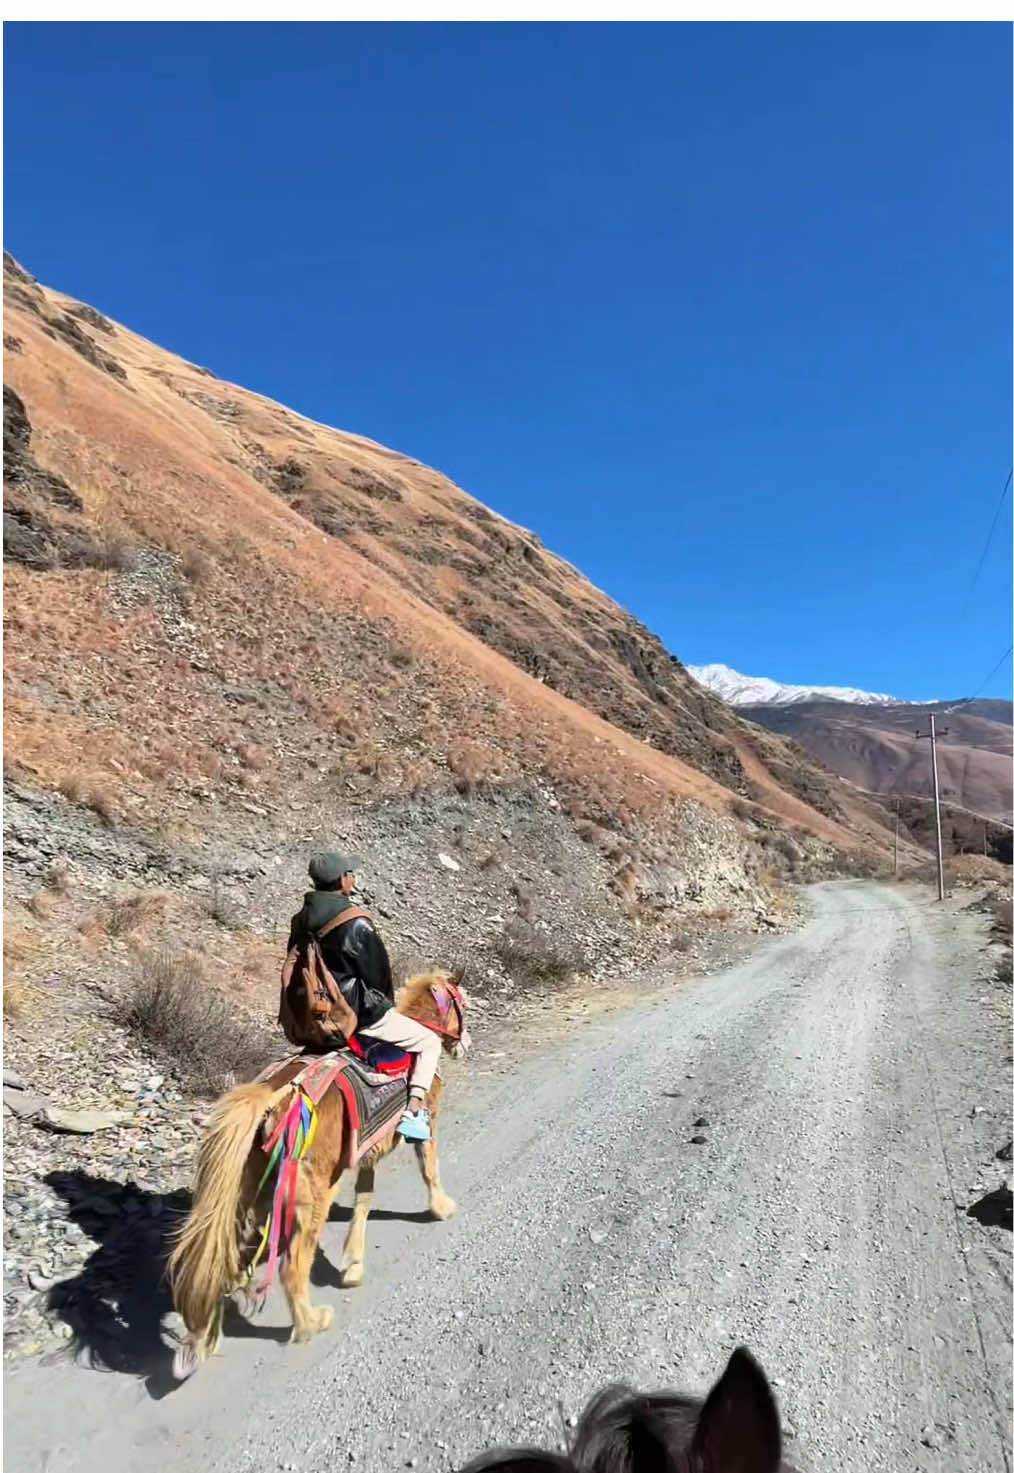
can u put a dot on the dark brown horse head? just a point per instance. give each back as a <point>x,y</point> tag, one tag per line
<point>736,1430</point>
<point>438,1000</point>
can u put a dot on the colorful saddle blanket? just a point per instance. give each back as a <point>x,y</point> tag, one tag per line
<point>373,1101</point>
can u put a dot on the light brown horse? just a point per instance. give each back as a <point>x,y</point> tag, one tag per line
<point>217,1243</point>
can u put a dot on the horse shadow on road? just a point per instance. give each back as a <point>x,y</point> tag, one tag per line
<point>117,1304</point>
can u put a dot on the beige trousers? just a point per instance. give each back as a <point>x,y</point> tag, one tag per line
<point>406,1033</point>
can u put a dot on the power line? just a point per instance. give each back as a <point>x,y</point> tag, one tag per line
<point>965,699</point>
<point>947,803</point>
<point>989,539</point>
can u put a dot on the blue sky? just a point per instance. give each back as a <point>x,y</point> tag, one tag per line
<point>722,312</point>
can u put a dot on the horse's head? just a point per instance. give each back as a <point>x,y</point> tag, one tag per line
<point>438,1000</point>
<point>736,1430</point>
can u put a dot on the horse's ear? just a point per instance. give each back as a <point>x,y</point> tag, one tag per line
<point>737,1430</point>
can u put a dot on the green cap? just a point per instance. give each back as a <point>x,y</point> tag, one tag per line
<point>328,868</point>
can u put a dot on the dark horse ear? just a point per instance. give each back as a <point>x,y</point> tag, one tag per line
<point>737,1430</point>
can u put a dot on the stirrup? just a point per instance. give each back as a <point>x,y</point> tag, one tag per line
<point>415,1127</point>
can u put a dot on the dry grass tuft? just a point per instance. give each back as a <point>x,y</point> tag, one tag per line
<point>87,793</point>
<point>197,567</point>
<point>173,1007</point>
<point>25,949</point>
<point>18,995</point>
<point>134,912</point>
<point>532,958</point>
<point>469,763</point>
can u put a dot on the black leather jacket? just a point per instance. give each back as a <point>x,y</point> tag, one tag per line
<point>354,954</point>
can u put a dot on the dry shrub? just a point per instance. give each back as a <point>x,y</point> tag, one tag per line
<point>86,793</point>
<point>469,762</point>
<point>209,764</point>
<point>197,566</point>
<point>25,948</point>
<point>112,551</point>
<point>743,810</point>
<point>340,717</point>
<point>533,958</point>
<point>101,801</point>
<point>134,911</point>
<point>587,831</point>
<point>400,657</point>
<point>999,907</point>
<point>174,1008</point>
<point>680,941</point>
<point>490,861</point>
<point>17,997</point>
<point>73,787</point>
<point>624,882</point>
<point>415,778</point>
<point>58,877</point>
<point>254,758</point>
<point>43,905</point>
<point>721,915</point>
<point>525,897</point>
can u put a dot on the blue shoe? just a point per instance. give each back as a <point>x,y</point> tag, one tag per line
<point>415,1127</point>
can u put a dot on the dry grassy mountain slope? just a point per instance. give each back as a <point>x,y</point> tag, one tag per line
<point>874,747</point>
<point>233,633</point>
<point>290,521</point>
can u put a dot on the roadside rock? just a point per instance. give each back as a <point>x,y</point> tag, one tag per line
<point>81,1122</point>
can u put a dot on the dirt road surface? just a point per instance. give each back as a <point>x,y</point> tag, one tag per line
<point>855,1082</point>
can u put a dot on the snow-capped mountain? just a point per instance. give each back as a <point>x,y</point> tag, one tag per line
<point>757,690</point>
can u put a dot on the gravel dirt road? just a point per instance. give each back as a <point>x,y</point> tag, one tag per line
<point>855,1084</point>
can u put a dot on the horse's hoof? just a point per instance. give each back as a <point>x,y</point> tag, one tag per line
<point>185,1361</point>
<point>352,1276</point>
<point>325,1318</point>
<point>311,1327</point>
<point>442,1207</point>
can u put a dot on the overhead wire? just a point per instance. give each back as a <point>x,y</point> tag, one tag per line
<point>988,542</point>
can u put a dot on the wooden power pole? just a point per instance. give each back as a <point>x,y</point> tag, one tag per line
<point>933,734</point>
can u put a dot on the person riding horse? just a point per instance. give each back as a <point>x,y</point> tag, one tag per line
<point>357,959</point>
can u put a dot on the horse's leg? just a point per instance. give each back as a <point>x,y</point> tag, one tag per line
<point>313,1202</point>
<point>441,1205</point>
<point>354,1251</point>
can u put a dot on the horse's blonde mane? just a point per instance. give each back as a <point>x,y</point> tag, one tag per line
<point>416,987</point>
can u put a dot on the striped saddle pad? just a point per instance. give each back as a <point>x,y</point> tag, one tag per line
<point>373,1102</point>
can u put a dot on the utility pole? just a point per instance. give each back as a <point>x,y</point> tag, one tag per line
<point>933,734</point>
<point>897,821</point>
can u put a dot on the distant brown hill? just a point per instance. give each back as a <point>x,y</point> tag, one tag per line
<point>875,747</point>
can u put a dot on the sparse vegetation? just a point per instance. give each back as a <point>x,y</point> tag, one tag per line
<point>534,958</point>
<point>196,566</point>
<point>469,762</point>
<point>175,1009</point>
<point>134,911</point>
<point>17,995</point>
<point>78,788</point>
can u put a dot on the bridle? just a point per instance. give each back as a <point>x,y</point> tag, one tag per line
<point>451,1003</point>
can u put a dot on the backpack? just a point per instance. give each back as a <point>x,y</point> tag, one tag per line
<point>311,1010</point>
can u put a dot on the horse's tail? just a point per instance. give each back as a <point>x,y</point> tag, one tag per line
<point>205,1263</point>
